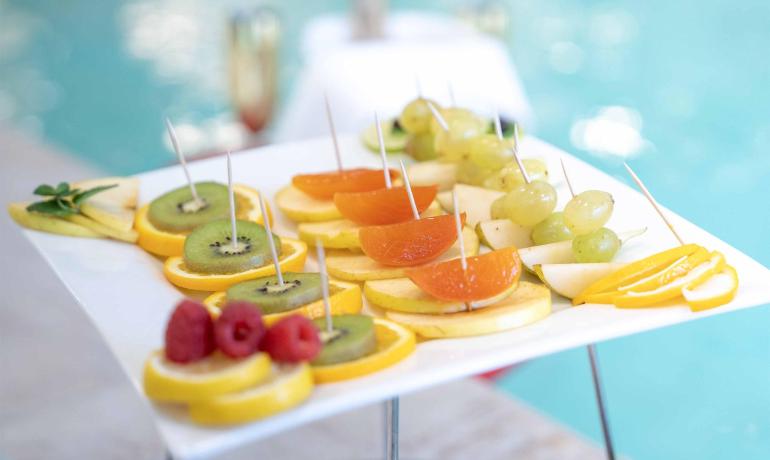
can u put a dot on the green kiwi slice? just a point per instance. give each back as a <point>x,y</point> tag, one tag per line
<point>298,289</point>
<point>177,212</point>
<point>352,337</point>
<point>208,249</point>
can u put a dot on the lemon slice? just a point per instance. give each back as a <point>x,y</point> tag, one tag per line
<point>301,207</point>
<point>717,290</point>
<point>344,299</point>
<point>287,386</point>
<point>527,304</point>
<point>166,244</point>
<point>394,343</point>
<point>212,376</point>
<point>293,255</point>
<point>679,268</point>
<point>636,271</point>
<point>401,294</point>
<point>672,289</point>
<point>350,266</point>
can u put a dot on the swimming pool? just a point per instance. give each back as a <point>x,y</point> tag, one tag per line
<point>678,88</point>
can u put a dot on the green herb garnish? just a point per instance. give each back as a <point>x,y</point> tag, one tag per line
<point>64,201</point>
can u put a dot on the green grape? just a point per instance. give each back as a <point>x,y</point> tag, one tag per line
<point>452,115</point>
<point>416,116</point>
<point>597,246</point>
<point>527,204</point>
<point>420,147</point>
<point>588,211</point>
<point>471,173</point>
<point>509,176</point>
<point>551,230</point>
<point>489,152</point>
<point>453,145</point>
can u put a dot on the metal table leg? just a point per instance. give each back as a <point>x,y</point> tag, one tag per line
<point>600,402</point>
<point>391,429</point>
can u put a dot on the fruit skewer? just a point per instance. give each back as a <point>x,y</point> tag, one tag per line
<point>596,378</point>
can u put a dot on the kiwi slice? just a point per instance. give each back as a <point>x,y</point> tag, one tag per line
<point>298,289</point>
<point>209,249</point>
<point>352,337</point>
<point>177,212</point>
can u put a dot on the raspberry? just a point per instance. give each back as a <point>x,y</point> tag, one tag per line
<point>292,339</point>
<point>189,333</point>
<point>239,329</point>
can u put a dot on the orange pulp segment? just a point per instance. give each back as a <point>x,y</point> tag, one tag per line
<point>485,276</point>
<point>409,243</point>
<point>325,185</point>
<point>384,206</point>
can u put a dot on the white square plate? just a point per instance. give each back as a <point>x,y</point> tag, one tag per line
<point>123,290</point>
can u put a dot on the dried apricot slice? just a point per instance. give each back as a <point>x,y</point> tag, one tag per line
<point>383,206</point>
<point>325,185</point>
<point>409,243</point>
<point>485,276</point>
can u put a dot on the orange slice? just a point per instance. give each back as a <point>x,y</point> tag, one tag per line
<point>636,271</point>
<point>384,206</point>
<point>163,243</point>
<point>485,276</point>
<point>394,343</point>
<point>325,185</point>
<point>409,243</point>
<point>344,299</point>
<point>293,255</point>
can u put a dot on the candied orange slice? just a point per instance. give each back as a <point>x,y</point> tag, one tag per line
<point>384,206</point>
<point>325,185</point>
<point>485,276</point>
<point>409,243</point>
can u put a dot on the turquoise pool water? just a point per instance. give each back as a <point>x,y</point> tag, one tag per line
<point>684,82</point>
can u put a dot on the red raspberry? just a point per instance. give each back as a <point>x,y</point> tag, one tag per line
<point>239,329</point>
<point>292,339</point>
<point>189,333</point>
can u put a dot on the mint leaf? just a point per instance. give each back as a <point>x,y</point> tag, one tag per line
<point>62,188</point>
<point>52,207</point>
<point>83,196</point>
<point>45,190</point>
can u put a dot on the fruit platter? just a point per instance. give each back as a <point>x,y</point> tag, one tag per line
<point>248,294</point>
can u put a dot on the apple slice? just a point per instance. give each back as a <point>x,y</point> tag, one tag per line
<point>46,223</point>
<point>474,201</point>
<point>301,207</point>
<point>433,172</point>
<point>569,280</point>
<point>113,208</point>
<point>502,233</point>
<point>527,304</point>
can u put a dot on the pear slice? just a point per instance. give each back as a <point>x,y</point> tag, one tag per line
<point>401,294</point>
<point>346,265</point>
<point>50,224</point>
<point>561,252</point>
<point>301,207</point>
<point>343,233</point>
<point>527,304</point>
<point>503,233</point>
<point>569,280</point>
<point>433,172</point>
<point>474,201</point>
<point>129,236</point>
<point>114,208</point>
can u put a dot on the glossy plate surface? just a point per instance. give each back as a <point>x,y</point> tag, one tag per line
<point>125,294</point>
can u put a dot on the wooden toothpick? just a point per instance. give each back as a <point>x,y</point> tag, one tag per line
<point>566,177</point>
<point>383,154</point>
<point>333,132</point>
<point>459,229</point>
<point>652,201</point>
<point>182,161</point>
<point>231,195</point>
<point>451,94</point>
<point>270,241</point>
<point>408,187</point>
<point>324,284</point>
<point>437,115</point>
<point>417,85</point>
<point>515,150</point>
